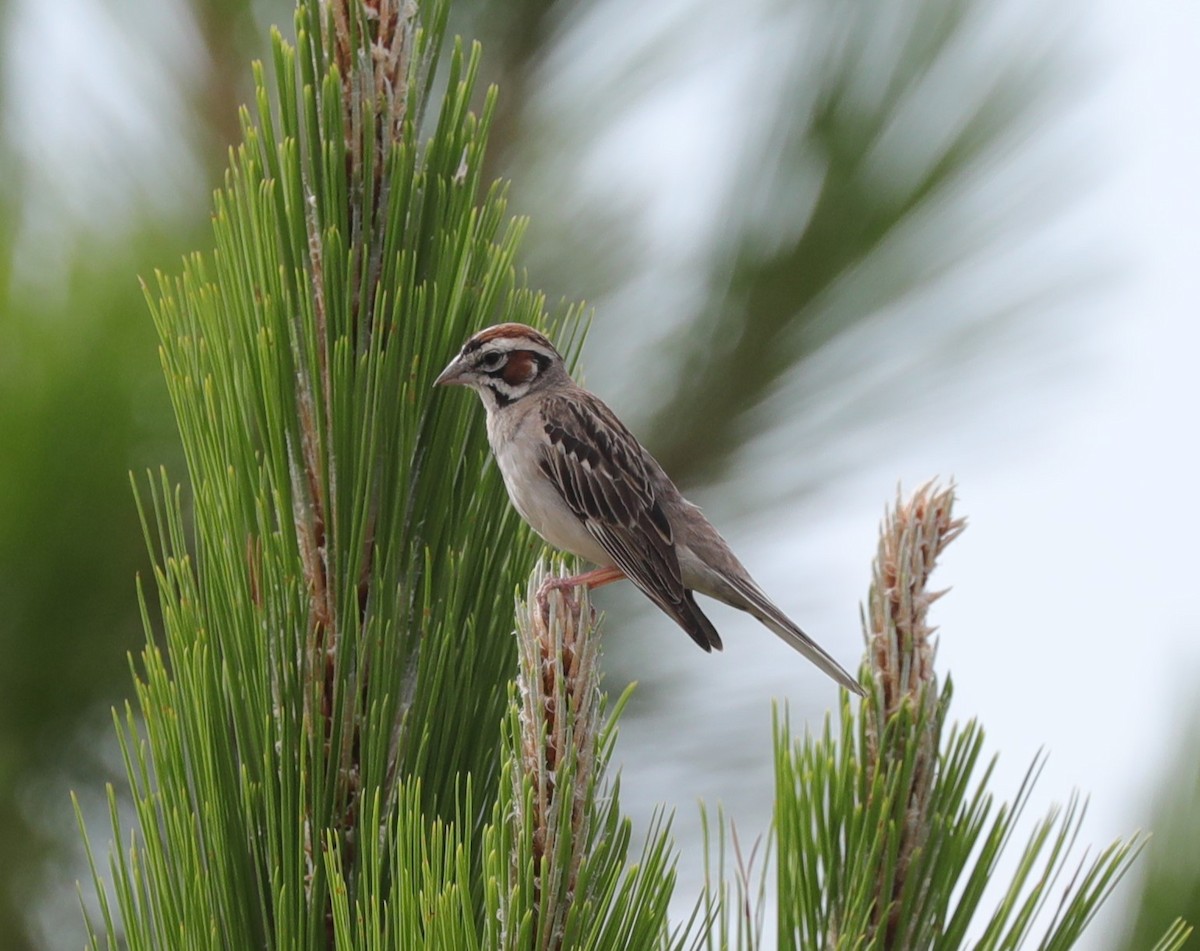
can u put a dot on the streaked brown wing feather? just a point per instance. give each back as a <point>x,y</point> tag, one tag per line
<point>603,475</point>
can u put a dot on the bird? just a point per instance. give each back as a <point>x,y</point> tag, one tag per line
<point>585,484</point>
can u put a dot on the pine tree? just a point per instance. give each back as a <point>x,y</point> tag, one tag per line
<point>338,742</point>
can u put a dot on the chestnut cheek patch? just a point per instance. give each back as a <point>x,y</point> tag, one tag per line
<point>520,368</point>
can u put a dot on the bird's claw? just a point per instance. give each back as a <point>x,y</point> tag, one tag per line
<point>565,587</point>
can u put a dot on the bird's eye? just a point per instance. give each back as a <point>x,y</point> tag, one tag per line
<point>492,360</point>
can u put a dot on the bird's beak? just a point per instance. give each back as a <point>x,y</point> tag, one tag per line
<point>451,375</point>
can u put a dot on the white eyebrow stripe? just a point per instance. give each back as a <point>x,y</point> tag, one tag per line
<point>509,344</point>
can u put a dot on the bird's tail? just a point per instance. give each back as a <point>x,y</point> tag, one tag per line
<point>761,607</point>
<point>782,626</point>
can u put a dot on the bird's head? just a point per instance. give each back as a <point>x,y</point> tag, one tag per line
<point>504,363</point>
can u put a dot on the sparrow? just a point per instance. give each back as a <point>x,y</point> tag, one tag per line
<point>587,486</point>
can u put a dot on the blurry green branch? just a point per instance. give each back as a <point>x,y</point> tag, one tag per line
<point>830,220</point>
<point>81,397</point>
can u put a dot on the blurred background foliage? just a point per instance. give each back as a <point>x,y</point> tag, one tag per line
<point>840,166</point>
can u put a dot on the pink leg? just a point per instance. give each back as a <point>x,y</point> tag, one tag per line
<point>596,578</point>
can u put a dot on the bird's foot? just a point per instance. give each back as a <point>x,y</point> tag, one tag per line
<point>568,585</point>
<point>564,586</point>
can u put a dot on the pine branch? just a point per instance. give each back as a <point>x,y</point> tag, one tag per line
<point>570,882</point>
<point>320,754</point>
<point>887,832</point>
<point>559,684</point>
<point>332,679</point>
<point>901,651</point>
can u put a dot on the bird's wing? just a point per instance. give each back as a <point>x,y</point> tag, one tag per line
<point>601,472</point>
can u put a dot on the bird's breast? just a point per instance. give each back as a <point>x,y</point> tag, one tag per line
<point>538,500</point>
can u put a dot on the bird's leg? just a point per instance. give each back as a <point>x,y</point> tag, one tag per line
<point>594,579</point>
